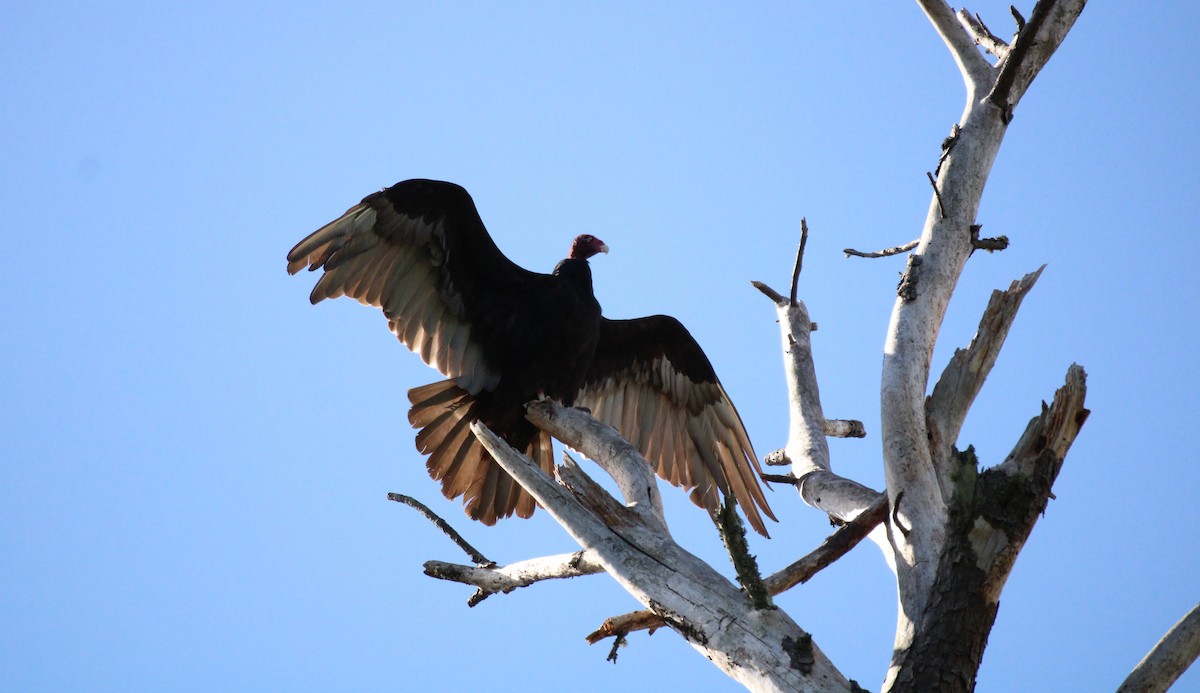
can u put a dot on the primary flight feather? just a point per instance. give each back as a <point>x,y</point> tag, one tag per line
<point>504,336</point>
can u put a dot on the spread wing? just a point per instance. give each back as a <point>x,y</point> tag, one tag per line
<point>419,251</point>
<point>651,381</point>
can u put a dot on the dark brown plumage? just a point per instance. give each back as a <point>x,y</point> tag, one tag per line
<point>503,336</point>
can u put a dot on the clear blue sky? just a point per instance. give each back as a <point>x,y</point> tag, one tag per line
<point>195,460</point>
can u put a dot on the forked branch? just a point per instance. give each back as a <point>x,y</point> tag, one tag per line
<point>1035,42</point>
<point>747,643</point>
<point>838,544</point>
<point>807,451</point>
<point>946,409</point>
<point>935,484</point>
<point>971,63</point>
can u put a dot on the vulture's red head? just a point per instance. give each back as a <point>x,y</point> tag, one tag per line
<point>586,246</point>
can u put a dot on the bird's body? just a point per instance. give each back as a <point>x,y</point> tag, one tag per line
<point>504,336</point>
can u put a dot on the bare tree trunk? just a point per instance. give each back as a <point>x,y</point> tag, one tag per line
<point>946,515</point>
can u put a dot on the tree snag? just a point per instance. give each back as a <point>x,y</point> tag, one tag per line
<point>949,525</point>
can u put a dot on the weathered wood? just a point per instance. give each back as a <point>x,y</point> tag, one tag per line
<point>838,544</point>
<point>504,579</point>
<point>807,450</point>
<point>983,36</point>
<point>1168,659</point>
<point>991,515</point>
<point>756,647</point>
<point>637,482</point>
<point>845,428</point>
<point>946,409</point>
<point>834,547</point>
<point>932,509</point>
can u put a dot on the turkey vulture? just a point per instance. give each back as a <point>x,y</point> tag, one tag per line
<point>504,336</point>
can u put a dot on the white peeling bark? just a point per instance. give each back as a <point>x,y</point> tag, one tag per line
<point>763,649</point>
<point>807,449</point>
<point>607,448</point>
<point>918,479</point>
<point>505,579</point>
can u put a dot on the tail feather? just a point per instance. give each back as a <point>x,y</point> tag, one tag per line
<point>456,462</point>
<point>541,451</point>
<point>431,438</point>
<point>443,412</point>
<point>484,501</point>
<point>430,401</point>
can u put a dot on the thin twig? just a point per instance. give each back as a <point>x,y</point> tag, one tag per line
<point>799,257</point>
<point>478,558</point>
<point>779,478</point>
<point>612,654</point>
<point>937,193</point>
<point>851,252</point>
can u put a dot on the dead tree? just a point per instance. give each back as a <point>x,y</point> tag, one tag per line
<point>950,527</point>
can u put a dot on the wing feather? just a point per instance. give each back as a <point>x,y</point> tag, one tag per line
<point>454,351</point>
<point>419,251</point>
<point>651,380</point>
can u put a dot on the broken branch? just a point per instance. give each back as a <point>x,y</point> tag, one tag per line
<point>845,428</point>
<point>946,408</point>
<point>887,252</point>
<point>504,579</point>
<point>834,547</point>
